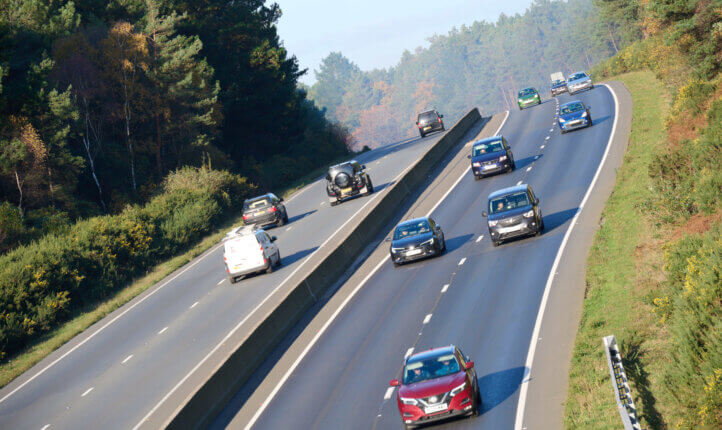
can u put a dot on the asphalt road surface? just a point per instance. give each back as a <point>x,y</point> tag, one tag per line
<point>115,373</point>
<point>481,298</point>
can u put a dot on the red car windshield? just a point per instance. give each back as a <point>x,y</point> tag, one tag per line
<point>430,368</point>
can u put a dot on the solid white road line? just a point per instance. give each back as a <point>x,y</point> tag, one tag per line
<point>462,261</point>
<point>162,330</point>
<point>389,392</point>
<point>258,306</point>
<point>545,297</point>
<point>127,358</point>
<point>409,352</point>
<point>341,307</point>
<point>87,391</point>
<point>478,239</point>
<point>427,318</point>
<point>193,305</point>
<point>446,287</point>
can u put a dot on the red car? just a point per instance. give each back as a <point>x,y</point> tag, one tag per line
<point>437,384</point>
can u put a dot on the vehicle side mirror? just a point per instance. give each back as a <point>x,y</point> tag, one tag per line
<point>536,201</point>
<point>388,239</point>
<point>363,166</point>
<point>280,199</point>
<point>469,157</point>
<point>394,383</point>
<point>417,123</point>
<point>273,238</point>
<point>589,107</point>
<point>509,147</point>
<point>441,116</point>
<point>469,365</point>
<point>484,214</point>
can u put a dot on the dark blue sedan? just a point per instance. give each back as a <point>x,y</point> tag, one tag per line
<point>574,115</point>
<point>491,155</point>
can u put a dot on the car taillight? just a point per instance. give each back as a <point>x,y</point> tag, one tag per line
<point>273,209</point>
<point>439,118</point>
<point>245,217</point>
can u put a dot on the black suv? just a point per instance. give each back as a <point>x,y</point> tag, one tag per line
<point>513,212</point>
<point>429,121</point>
<point>347,180</point>
<point>264,210</point>
<point>416,238</point>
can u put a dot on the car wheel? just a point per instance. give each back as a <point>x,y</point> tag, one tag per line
<point>443,128</point>
<point>444,245</point>
<point>590,122</point>
<point>564,131</point>
<point>520,108</point>
<point>232,279</point>
<point>396,264</point>
<point>512,166</point>
<point>496,242</point>
<point>477,178</point>
<point>278,259</point>
<point>422,135</point>
<point>541,225</point>
<point>269,269</point>
<point>334,202</point>
<point>281,221</point>
<point>369,186</point>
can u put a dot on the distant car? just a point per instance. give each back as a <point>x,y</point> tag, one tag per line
<point>579,81</point>
<point>249,250</point>
<point>574,115</point>
<point>347,180</point>
<point>559,86</point>
<point>435,385</point>
<point>527,97</point>
<point>429,121</point>
<point>265,210</point>
<point>491,155</point>
<point>513,212</point>
<point>415,239</point>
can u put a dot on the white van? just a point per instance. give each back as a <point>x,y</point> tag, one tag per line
<point>249,250</point>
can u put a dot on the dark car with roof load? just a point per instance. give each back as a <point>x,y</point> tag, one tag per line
<point>528,97</point>
<point>347,180</point>
<point>574,115</point>
<point>416,239</point>
<point>429,121</point>
<point>579,81</point>
<point>559,86</point>
<point>513,212</point>
<point>435,385</point>
<point>264,210</point>
<point>491,155</point>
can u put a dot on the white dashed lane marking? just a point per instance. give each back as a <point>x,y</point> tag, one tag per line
<point>193,305</point>
<point>45,427</point>
<point>164,329</point>
<point>220,282</point>
<point>322,203</point>
<point>427,318</point>
<point>528,168</point>
<point>478,239</point>
<point>127,358</point>
<point>518,183</point>
<point>446,287</point>
<point>289,228</point>
<point>551,130</point>
<point>389,392</point>
<point>463,260</point>
<point>409,352</point>
<point>548,137</point>
<point>87,391</point>
<point>542,147</point>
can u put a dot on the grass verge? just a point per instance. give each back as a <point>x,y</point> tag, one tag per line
<point>624,273</point>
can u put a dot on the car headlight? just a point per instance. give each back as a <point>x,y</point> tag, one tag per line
<point>584,115</point>
<point>521,101</point>
<point>476,164</point>
<point>502,158</point>
<point>492,223</point>
<point>408,401</point>
<point>562,119</point>
<point>428,242</point>
<point>458,389</point>
<point>529,214</point>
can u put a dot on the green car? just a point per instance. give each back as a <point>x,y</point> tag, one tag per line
<point>527,97</point>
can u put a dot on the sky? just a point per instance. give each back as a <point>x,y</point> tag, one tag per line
<point>374,33</point>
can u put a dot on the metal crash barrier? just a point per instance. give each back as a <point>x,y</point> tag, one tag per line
<point>625,405</point>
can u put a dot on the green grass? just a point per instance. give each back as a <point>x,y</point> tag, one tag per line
<point>624,271</point>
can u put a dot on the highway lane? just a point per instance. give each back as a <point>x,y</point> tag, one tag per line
<point>481,298</point>
<point>112,375</point>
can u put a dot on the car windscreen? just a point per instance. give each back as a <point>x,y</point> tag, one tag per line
<point>430,368</point>
<point>427,116</point>
<point>576,76</point>
<point>411,229</point>
<point>508,202</point>
<point>487,148</point>
<point>257,203</point>
<point>571,108</point>
<point>557,82</point>
<point>527,92</point>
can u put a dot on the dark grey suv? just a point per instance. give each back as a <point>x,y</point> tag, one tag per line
<point>347,180</point>
<point>513,212</point>
<point>265,210</point>
<point>429,121</point>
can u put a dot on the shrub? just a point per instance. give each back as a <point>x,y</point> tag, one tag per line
<point>11,226</point>
<point>43,283</point>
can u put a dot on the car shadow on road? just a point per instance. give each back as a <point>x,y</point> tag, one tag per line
<point>300,216</point>
<point>600,120</point>
<point>383,186</point>
<point>499,386</point>
<point>556,219</point>
<point>287,260</point>
<point>457,242</point>
<point>520,164</point>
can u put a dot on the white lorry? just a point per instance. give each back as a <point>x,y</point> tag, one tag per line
<point>249,250</point>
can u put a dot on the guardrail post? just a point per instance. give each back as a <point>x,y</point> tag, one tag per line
<point>622,393</point>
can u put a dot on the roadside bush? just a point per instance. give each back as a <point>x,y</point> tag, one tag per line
<point>43,283</point>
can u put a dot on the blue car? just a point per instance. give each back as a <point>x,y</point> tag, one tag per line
<point>574,115</point>
<point>491,155</point>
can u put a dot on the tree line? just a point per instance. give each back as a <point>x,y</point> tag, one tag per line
<point>101,99</point>
<point>483,64</point>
